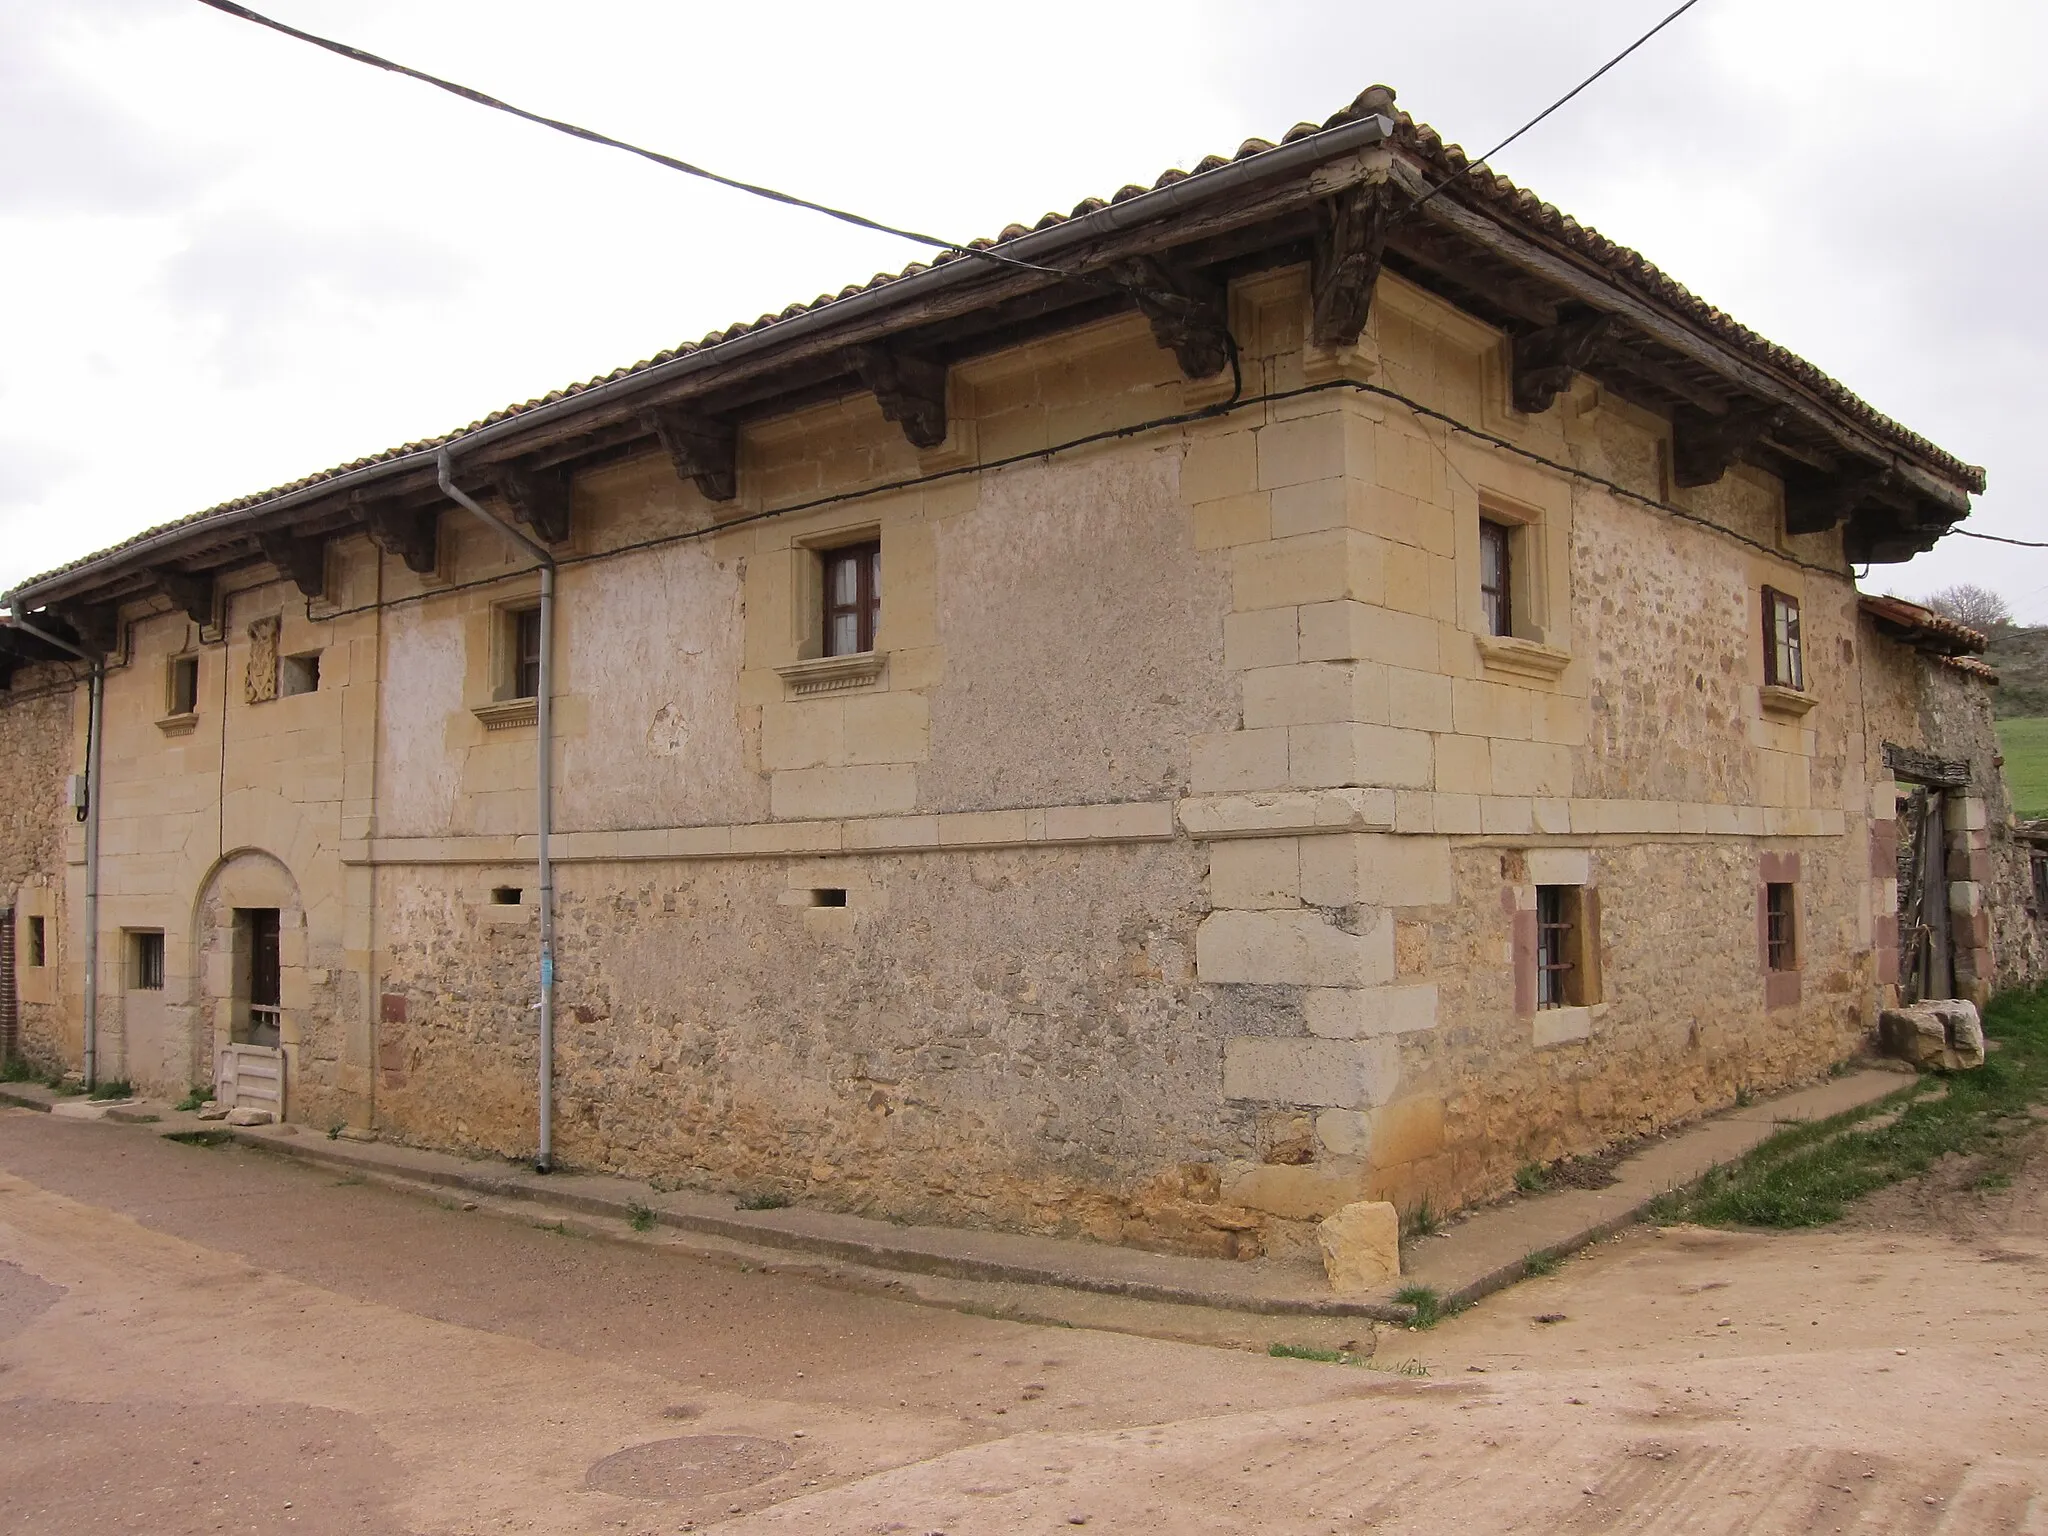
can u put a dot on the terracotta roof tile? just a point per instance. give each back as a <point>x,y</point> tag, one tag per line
<point>1488,187</point>
<point>1922,626</point>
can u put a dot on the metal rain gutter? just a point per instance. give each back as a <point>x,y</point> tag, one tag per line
<point>544,774</point>
<point>1039,246</point>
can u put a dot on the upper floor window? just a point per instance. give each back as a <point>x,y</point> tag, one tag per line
<point>298,674</point>
<point>1784,661</point>
<point>1497,576</point>
<point>184,685</point>
<point>38,943</point>
<point>853,598</point>
<point>525,652</point>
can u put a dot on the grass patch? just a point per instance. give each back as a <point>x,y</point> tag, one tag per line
<point>2025,745</point>
<point>1539,1264</point>
<point>196,1097</point>
<point>767,1202</point>
<point>1531,1178</point>
<point>1806,1175</point>
<point>119,1088</point>
<point>1423,1302</point>
<point>199,1138</point>
<point>19,1069</point>
<point>1312,1352</point>
<point>639,1217</point>
<point>1423,1221</point>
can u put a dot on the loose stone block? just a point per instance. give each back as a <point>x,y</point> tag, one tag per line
<point>1361,1247</point>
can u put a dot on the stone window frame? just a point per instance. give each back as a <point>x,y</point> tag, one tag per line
<point>37,906</point>
<point>808,671</point>
<point>1537,603</point>
<point>1781,983</point>
<point>143,959</point>
<point>181,702</point>
<point>492,634</point>
<point>1570,872</point>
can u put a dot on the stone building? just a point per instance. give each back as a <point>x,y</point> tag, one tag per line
<point>1272,689</point>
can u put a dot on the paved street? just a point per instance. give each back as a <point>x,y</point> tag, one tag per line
<point>214,1339</point>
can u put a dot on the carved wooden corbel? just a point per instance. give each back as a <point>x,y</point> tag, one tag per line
<point>910,390</point>
<point>538,497</point>
<point>1188,314</point>
<point>1703,446</point>
<point>702,448</point>
<point>1814,505</point>
<point>303,560</point>
<point>1345,267</point>
<point>1545,360</point>
<point>193,594</point>
<point>97,626</point>
<point>413,536</point>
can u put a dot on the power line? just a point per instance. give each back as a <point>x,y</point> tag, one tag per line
<point>591,135</point>
<point>1999,538</point>
<point>1567,96</point>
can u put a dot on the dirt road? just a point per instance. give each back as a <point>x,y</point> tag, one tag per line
<point>200,1340</point>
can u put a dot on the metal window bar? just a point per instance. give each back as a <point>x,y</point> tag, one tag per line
<point>10,1019</point>
<point>149,962</point>
<point>1553,947</point>
<point>1780,940</point>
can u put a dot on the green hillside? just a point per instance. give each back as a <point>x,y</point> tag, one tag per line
<point>2021,656</point>
<point>2025,744</point>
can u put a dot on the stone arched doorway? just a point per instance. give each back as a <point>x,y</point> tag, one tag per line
<point>252,985</point>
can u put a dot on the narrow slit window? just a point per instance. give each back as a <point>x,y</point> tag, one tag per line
<point>507,895</point>
<point>829,896</point>
<point>38,943</point>
<point>184,691</point>
<point>1784,661</point>
<point>1781,935</point>
<point>1554,945</point>
<point>146,961</point>
<point>526,654</point>
<point>853,598</point>
<point>1497,576</point>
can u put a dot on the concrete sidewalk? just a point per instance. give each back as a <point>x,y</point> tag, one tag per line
<point>1476,1255</point>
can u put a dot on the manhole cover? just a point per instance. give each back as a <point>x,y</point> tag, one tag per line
<point>689,1464</point>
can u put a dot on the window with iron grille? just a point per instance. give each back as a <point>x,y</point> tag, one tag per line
<point>853,598</point>
<point>525,626</point>
<point>1497,576</point>
<point>1555,910</point>
<point>145,961</point>
<point>1784,662</point>
<point>1781,926</point>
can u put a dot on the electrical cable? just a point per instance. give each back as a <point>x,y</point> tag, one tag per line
<point>1540,116</point>
<point>589,135</point>
<point>1999,538</point>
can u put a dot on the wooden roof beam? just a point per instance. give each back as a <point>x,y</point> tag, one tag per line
<point>910,390</point>
<point>704,449</point>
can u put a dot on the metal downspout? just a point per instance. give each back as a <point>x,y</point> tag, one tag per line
<point>544,1158</point>
<point>96,694</point>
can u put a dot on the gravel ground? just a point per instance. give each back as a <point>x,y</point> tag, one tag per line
<point>212,1339</point>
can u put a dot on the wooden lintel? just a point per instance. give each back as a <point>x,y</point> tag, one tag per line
<point>910,390</point>
<point>703,449</point>
<point>193,594</point>
<point>1815,505</point>
<point>1345,267</point>
<point>538,498</point>
<point>303,560</point>
<point>1189,314</point>
<point>413,536</point>
<point>1703,446</point>
<point>1545,360</point>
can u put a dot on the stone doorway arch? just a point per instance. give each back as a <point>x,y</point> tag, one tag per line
<point>252,983</point>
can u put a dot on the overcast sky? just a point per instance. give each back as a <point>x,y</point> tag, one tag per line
<point>228,260</point>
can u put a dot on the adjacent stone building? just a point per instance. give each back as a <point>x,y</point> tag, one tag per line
<point>1269,690</point>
